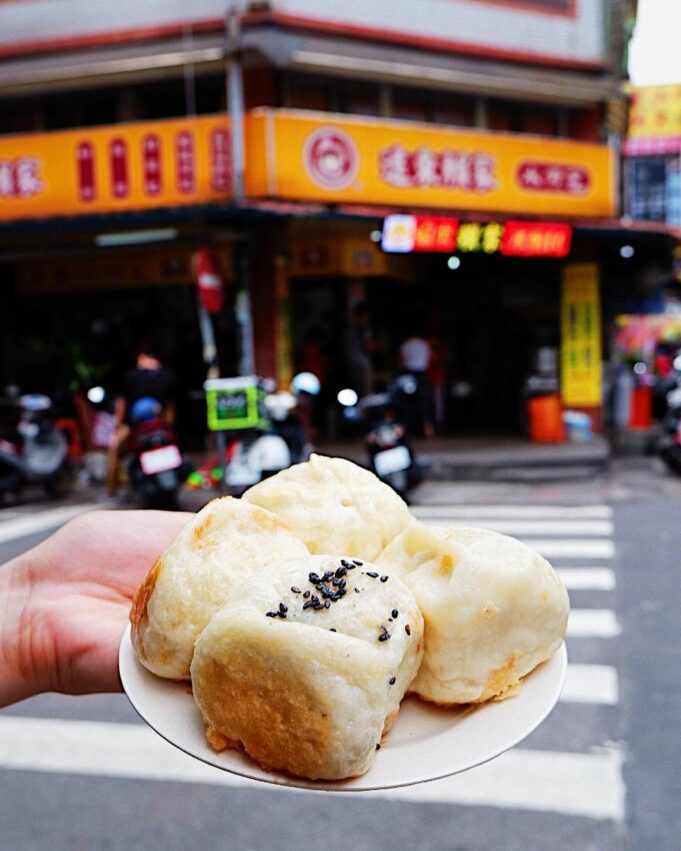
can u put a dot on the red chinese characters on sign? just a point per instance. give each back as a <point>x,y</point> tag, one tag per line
<point>185,161</point>
<point>553,177</point>
<point>464,170</point>
<point>85,168</point>
<point>435,233</point>
<point>20,178</point>
<point>151,155</point>
<point>118,156</point>
<point>536,239</point>
<point>221,161</point>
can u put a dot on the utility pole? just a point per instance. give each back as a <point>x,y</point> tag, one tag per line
<point>235,108</point>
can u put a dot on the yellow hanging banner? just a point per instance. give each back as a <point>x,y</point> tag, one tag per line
<point>581,379</point>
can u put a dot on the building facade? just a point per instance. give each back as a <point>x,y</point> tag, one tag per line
<point>283,137</point>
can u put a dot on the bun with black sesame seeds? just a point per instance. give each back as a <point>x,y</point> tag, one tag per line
<point>308,684</point>
<point>196,575</point>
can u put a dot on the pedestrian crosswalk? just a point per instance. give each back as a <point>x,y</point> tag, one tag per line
<point>547,776</point>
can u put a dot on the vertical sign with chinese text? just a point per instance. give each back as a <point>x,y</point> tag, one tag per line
<point>581,381</point>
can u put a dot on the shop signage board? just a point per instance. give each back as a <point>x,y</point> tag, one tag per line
<point>404,233</point>
<point>654,121</point>
<point>118,168</point>
<point>335,159</point>
<point>581,378</point>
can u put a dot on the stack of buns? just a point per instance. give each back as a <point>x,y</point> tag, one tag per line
<point>305,611</point>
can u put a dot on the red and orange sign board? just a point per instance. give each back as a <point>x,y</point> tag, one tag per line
<point>654,120</point>
<point>313,158</point>
<point>406,233</point>
<point>110,169</point>
<point>536,239</point>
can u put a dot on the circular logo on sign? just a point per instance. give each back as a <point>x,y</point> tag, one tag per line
<point>331,158</point>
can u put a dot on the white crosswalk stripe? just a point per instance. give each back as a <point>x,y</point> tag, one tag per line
<point>30,524</point>
<point>587,578</point>
<point>523,779</point>
<point>586,781</point>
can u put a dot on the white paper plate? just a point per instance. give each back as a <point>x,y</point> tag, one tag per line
<point>425,743</point>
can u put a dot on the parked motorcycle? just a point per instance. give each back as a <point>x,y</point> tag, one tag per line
<point>390,454</point>
<point>32,450</point>
<point>156,467</point>
<point>670,441</point>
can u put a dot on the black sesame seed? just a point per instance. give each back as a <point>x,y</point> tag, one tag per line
<point>283,608</point>
<point>356,590</point>
<point>270,614</point>
<point>407,629</point>
<point>295,590</point>
<point>392,681</point>
<point>327,604</point>
<point>306,594</point>
<point>328,575</point>
<point>314,599</point>
<point>394,613</point>
<point>372,574</point>
<point>313,577</point>
<point>384,578</point>
<point>308,604</point>
<point>384,635</point>
<point>378,747</point>
<point>341,571</point>
<point>358,563</point>
<point>332,630</point>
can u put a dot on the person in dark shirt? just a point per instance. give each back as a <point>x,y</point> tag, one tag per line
<point>149,379</point>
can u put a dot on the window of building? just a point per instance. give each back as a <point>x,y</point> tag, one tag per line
<point>301,91</point>
<point>646,188</point>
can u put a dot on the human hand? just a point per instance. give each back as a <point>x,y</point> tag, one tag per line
<point>64,604</point>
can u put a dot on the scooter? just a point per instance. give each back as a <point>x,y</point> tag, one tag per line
<point>156,468</point>
<point>34,451</point>
<point>669,446</point>
<point>389,451</point>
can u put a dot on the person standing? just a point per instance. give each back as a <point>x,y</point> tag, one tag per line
<point>415,357</point>
<point>148,379</point>
<point>360,348</point>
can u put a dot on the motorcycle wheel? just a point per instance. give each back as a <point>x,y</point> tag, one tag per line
<point>672,458</point>
<point>399,482</point>
<point>164,501</point>
<point>10,480</point>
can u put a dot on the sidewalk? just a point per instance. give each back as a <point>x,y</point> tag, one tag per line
<point>493,458</point>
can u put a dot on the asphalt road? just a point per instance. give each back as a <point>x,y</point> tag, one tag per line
<point>602,772</point>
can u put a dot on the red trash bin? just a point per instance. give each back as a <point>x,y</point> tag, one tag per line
<point>545,416</point>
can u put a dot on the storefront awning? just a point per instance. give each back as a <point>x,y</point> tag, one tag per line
<point>352,59</point>
<point>111,65</point>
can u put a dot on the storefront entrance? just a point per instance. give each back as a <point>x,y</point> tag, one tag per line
<point>488,318</point>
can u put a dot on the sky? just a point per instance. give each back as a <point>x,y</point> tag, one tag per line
<point>655,50</point>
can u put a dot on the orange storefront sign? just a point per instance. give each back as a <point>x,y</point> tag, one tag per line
<point>300,156</point>
<point>110,169</point>
<point>313,157</point>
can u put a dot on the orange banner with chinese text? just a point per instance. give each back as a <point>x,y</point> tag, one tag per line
<point>117,168</point>
<point>311,156</point>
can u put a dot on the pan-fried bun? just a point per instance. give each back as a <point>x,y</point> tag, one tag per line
<point>335,506</point>
<point>193,578</point>
<point>305,671</point>
<point>493,609</point>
